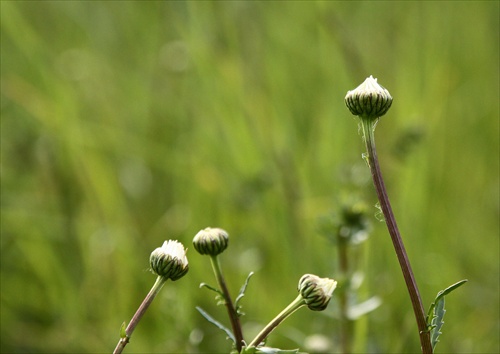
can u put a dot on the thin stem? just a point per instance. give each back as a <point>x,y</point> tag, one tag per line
<point>346,328</point>
<point>369,136</point>
<point>160,281</point>
<point>233,315</point>
<point>294,306</point>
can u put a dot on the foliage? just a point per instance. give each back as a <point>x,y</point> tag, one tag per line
<point>436,312</point>
<point>128,123</point>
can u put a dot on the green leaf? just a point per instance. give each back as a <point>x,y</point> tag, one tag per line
<point>241,294</point>
<point>220,296</point>
<point>123,332</point>
<point>449,289</point>
<point>217,324</point>
<point>209,287</point>
<point>437,321</point>
<point>436,312</point>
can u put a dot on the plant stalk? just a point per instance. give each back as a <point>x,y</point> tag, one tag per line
<point>160,281</point>
<point>233,315</point>
<point>294,306</point>
<point>369,137</point>
<point>346,327</point>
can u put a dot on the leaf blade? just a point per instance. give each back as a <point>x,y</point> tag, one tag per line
<point>216,323</point>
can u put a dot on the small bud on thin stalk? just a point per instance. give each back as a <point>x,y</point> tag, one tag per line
<point>369,102</point>
<point>314,292</point>
<point>213,241</point>
<point>168,262</point>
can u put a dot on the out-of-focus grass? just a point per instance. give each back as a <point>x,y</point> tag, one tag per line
<point>128,123</point>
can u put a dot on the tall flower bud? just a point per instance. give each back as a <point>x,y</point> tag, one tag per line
<point>169,260</point>
<point>369,100</point>
<point>316,291</point>
<point>211,241</point>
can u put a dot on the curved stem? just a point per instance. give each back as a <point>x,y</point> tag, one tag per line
<point>233,315</point>
<point>369,136</point>
<point>294,306</point>
<point>160,281</point>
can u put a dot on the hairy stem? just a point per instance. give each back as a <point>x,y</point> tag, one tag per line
<point>294,306</point>
<point>160,281</point>
<point>233,315</point>
<point>369,136</point>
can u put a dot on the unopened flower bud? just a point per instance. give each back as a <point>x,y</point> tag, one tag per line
<point>316,291</point>
<point>169,260</point>
<point>211,241</point>
<point>369,100</point>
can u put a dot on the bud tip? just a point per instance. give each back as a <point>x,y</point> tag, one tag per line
<point>370,100</point>
<point>169,260</point>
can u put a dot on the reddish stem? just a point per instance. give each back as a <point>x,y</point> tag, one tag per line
<point>404,262</point>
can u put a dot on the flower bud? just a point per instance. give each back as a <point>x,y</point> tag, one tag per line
<point>316,291</point>
<point>169,260</point>
<point>369,100</point>
<point>211,241</point>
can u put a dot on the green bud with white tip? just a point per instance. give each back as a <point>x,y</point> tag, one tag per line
<point>169,261</point>
<point>211,241</point>
<point>370,100</point>
<point>316,291</point>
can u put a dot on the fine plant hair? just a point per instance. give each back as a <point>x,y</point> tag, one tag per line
<point>348,230</point>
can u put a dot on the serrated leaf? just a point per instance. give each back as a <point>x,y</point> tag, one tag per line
<point>437,321</point>
<point>436,312</point>
<point>442,293</point>
<point>217,324</point>
<point>241,294</point>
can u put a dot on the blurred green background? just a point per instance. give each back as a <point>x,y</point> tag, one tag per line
<point>124,124</point>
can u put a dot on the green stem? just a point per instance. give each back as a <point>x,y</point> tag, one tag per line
<point>294,306</point>
<point>346,327</point>
<point>369,136</point>
<point>160,281</point>
<point>233,315</point>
